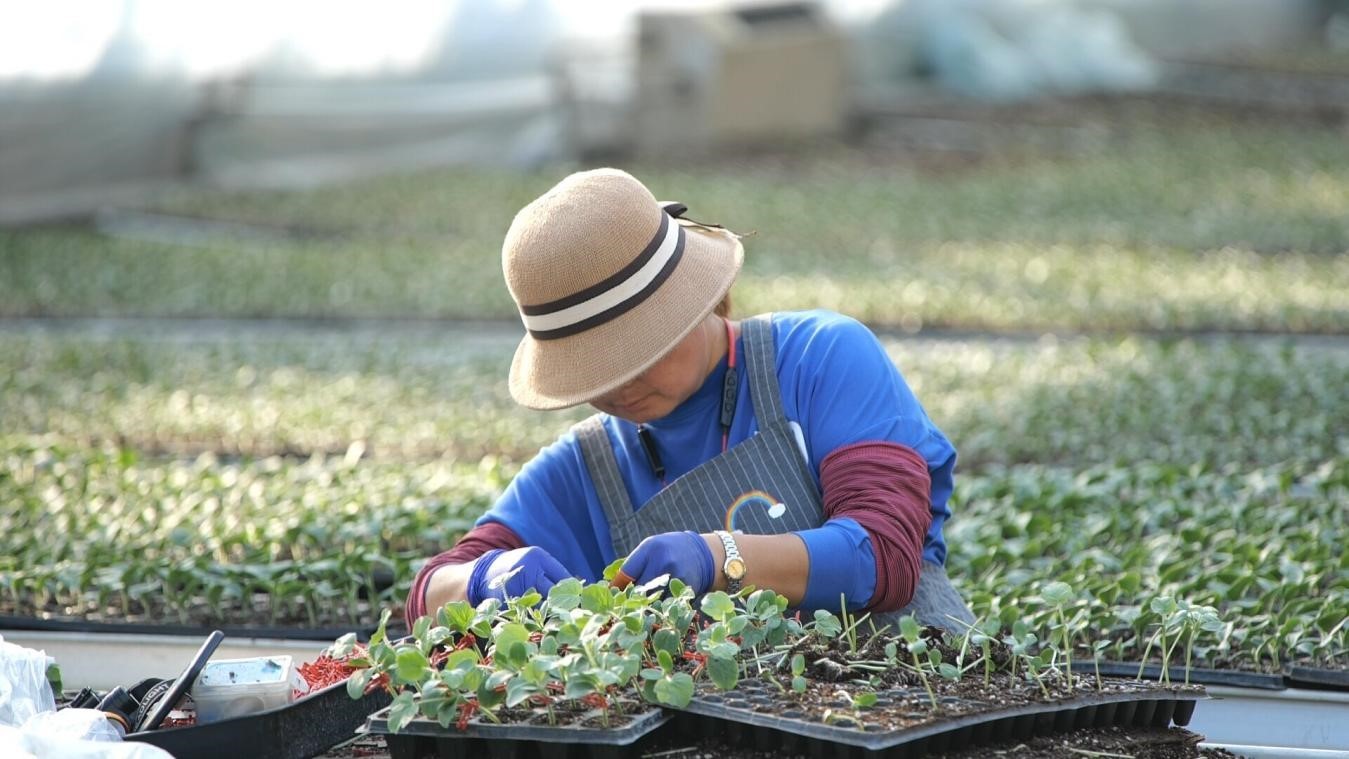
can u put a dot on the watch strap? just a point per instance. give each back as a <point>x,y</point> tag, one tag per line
<point>733,584</point>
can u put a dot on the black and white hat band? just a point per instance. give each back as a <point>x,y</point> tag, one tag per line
<point>616,295</point>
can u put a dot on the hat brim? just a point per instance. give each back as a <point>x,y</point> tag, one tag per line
<point>569,371</point>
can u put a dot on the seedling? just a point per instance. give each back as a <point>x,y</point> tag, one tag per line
<point>1096,650</point>
<point>798,673</point>
<point>913,639</point>
<point>1059,595</point>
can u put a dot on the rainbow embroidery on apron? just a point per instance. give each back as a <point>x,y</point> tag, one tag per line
<point>775,507</point>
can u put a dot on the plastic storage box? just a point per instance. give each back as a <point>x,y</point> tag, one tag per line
<point>234,687</point>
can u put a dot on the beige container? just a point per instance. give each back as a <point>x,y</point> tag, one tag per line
<point>738,73</point>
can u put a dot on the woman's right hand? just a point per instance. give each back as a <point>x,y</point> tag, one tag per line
<point>510,574</point>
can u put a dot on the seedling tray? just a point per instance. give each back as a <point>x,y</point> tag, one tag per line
<point>1235,678</point>
<point>298,730</point>
<point>767,723</point>
<point>1317,678</point>
<point>426,738</point>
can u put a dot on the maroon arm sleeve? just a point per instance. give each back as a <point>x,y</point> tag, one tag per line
<point>885,488</point>
<point>477,542</point>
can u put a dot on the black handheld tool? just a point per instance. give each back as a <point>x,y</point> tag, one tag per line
<point>184,681</point>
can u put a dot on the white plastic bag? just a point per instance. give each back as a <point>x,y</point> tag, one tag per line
<point>76,724</point>
<point>24,690</point>
<point>20,744</point>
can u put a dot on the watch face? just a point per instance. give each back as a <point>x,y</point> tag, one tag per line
<point>734,569</point>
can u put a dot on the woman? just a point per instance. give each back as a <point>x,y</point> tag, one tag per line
<point>783,452</point>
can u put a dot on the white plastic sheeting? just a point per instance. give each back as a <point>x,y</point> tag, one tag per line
<point>1003,49</point>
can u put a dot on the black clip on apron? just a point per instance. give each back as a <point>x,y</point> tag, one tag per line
<point>762,486</point>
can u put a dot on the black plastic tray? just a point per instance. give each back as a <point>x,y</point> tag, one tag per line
<point>1318,678</point>
<point>731,716</point>
<point>11,622</point>
<point>426,738</point>
<point>298,730</point>
<point>1232,677</point>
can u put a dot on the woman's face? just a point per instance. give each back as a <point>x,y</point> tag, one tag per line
<point>669,382</point>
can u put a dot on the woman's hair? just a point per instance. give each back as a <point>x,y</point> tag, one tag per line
<point>723,308</point>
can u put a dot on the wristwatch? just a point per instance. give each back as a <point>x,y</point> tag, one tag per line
<point>734,566</point>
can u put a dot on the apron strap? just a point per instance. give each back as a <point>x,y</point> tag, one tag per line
<point>761,362</point>
<point>603,468</point>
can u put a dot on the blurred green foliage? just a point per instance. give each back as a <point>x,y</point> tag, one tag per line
<point>1208,228</point>
<point>209,473</point>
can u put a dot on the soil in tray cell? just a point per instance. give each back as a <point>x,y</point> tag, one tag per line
<point>825,703</point>
<point>1136,742</point>
<point>1140,743</point>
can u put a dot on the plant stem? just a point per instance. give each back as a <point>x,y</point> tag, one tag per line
<point>923,675</point>
<point>1189,649</point>
<point>1067,646</point>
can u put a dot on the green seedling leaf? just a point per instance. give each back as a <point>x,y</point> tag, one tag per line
<point>675,690</point>
<point>517,655</point>
<point>343,646</point>
<point>668,641</point>
<point>379,635</point>
<point>434,637</point>
<point>799,684</point>
<point>597,599</point>
<point>908,627</point>
<point>518,690</point>
<point>798,664</point>
<point>357,682</point>
<point>562,594</point>
<point>724,650</point>
<point>420,627</point>
<point>949,671</point>
<point>725,673</point>
<point>611,571</point>
<point>456,615</point>
<point>1057,593</point>
<point>718,606</point>
<point>498,679</point>
<point>54,677</point>
<point>412,664</point>
<point>580,686</point>
<point>402,711</point>
<point>864,700</point>
<point>827,624</point>
<point>1164,606</point>
<point>508,635</point>
<point>666,661</point>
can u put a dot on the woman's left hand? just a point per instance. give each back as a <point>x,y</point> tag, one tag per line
<point>679,554</point>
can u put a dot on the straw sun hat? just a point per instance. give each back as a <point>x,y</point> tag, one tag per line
<point>607,281</point>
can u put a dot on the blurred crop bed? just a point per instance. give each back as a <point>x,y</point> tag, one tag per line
<point>1201,226</point>
<point>255,408</point>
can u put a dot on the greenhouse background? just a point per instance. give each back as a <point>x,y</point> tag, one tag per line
<point>254,333</point>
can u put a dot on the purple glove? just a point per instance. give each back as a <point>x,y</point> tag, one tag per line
<point>679,554</point>
<point>537,570</point>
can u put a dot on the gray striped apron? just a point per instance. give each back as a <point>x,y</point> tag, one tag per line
<point>762,486</point>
